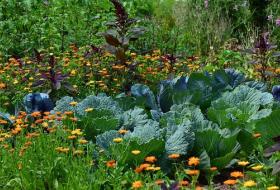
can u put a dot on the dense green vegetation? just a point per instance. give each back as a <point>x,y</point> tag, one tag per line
<point>139,94</point>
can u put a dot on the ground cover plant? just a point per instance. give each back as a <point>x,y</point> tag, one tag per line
<point>114,94</point>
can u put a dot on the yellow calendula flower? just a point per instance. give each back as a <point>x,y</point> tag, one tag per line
<point>136,152</point>
<point>243,163</point>
<point>83,141</point>
<point>78,152</point>
<point>76,132</point>
<point>73,103</point>
<point>249,183</point>
<point>45,124</point>
<point>117,140</point>
<point>257,167</point>
<point>273,188</point>
<point>89,110</point>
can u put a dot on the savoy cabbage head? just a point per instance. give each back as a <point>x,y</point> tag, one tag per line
<point>63,105</point>
<point>100,101</point>
<point>240,106</point>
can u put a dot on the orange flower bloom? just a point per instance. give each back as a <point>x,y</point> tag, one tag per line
<point>122,131</point>
<point>174,156</point>
<point>236,174</point>
<point>137,184</point>
<point>72,137</point>
<point>74,119</point>
<point>193,161</point>
<point>159,182</point>
<point>230,182</point>
<point>68,113</point>
<point>2,85</point>
<point>184,183</point>
<point>257,135</point>
<point>3,122</point>
<point>213,168</point>
<point>142,167</point>
<point>192,172</point>
<point>36,114</point>
<point>111,164</point>
<point>39,121</point>
<point>151,159</point>
<point>16,131</point>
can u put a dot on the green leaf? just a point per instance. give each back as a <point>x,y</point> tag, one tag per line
<point>181,141</point>
<point>122,152</point>
<point>106,139</point>
<point>133,117</point>
<point>269,127</point>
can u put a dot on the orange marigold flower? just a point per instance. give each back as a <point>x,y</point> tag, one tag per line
<point>3,122</point>
<point>47,113</point>
<point>111,163</point>
<point>74,119</point>
<point>230,182</point>
<point>257,135</point>
<point>36,114</point>
<point>192,172</point>
<point>151,159</point>
<point>142,167</point>
<point>122,131</point>
<point>137,184</point>
<point>174,156</point>
<point>243,163</point>
<point>193,161</point>
<point>184,183</point>
<point>72,137</point>
<point>214,168</point>
<point>68,112</point>
<point>16,131</point>
<point>39,121</point>
<point>159,181</point>
<point>2,85</point>
<point>236,174</point>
